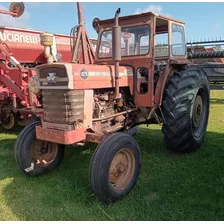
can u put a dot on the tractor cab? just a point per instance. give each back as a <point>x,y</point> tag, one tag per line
<point>146,34</point>
<point>148,43</point>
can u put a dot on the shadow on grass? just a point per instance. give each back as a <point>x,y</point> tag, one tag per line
<point>15,131</point>
<point>217,101</point>
<point>171,187</point>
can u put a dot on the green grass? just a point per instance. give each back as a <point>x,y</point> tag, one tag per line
<point>171,186</point>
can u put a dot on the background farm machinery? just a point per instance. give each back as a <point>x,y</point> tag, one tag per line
<point>21,50</point>
<point>209,56</point>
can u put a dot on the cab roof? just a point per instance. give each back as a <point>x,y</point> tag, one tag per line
<point>139,17</point>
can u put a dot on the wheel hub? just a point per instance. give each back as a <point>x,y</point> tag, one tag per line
<point>198,111</point>
<point>122,169</point>
<point>43,153</point>
<point>41,150</point>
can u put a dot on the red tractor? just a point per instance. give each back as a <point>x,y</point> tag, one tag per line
<point>132,81</point>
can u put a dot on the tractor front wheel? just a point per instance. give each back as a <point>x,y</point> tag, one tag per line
<point>186,110</point>
<point>36,157</point>
<point>115,167</point>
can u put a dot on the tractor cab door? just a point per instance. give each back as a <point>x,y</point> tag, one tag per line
<point>136,51</point>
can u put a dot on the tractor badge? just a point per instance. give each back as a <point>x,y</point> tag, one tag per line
<point>84,74</point>
<point>51,78</point>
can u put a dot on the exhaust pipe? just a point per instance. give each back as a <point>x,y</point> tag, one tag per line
<point>116,50</point>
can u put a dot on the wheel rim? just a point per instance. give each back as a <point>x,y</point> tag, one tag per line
<point>122,169</point>
<point>43,153</point>
<point>199,112</point>
<point>8,122</point>
<point>22,120</point>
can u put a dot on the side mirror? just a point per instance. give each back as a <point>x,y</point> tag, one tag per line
<point>95,24</point>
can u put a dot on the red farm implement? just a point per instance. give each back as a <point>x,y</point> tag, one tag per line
<point>21,50</point>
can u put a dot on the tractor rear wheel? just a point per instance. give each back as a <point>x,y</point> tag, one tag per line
<point>115,167</point>
<point>186,110</point>
<point>36,157</point>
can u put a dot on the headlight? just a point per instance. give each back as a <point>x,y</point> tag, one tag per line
<point>58,57</point>
<point>33,84</point>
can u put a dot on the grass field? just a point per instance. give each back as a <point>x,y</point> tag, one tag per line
<point>171,186</point>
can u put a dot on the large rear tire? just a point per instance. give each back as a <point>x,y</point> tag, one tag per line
<point>115,167</point>
<point>186,110</point>
<point>36,157</point>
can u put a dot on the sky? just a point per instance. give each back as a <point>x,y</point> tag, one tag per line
<point>203,20</point>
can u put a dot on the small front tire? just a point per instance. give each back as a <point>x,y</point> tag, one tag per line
<point>115,167</point>
<point>36,157</point>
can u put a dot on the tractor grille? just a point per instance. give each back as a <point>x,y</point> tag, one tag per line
<point>60,80</point>
<point>63,106</point>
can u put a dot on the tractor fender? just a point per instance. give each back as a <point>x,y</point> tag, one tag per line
<point>161,84</point>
